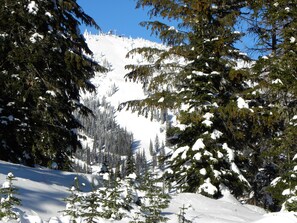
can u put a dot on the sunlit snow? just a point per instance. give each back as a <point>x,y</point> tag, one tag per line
<point>241,103</point>
<point>198,145</point>
<point>32,7</point>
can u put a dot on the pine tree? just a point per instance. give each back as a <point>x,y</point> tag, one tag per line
<point>74,202</point>
<point>45,64</point>
<point>91,206</point>
<point>155,199</point>
<point>8,200</point>
<point>198,75</point>
<point>113,203</point>
<point>130,164</point>
<point>275,92</point>
<point>151,148</point>
<point>130,197</point>
<point>284,187</point>
<point>181,215</point>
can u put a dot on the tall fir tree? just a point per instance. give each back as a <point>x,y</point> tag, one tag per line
<point>45,64</point>
<point>199,76</point>
<point>276,90</point>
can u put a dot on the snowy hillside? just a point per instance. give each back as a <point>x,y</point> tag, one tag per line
<point>42,190</point>
<point>111,52</point>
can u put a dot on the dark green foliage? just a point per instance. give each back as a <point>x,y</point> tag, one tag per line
<point>291,205</point>
<point>45,63</point>
<point>130,164</point>
<point>276,91</point>
<point>8,200</point>
<point>113,203</point>
<point>198,76</point>
<point>91,204</point>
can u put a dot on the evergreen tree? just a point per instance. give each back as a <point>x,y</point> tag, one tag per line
<point>45,64</point>
<point>276,90</point>
<point>198,75</point>
<point>157,144</point>
<point>74,202</point>
<point>155,199</point>
<point>140,163</point>
<point>181,215</point>
<point>130,191</point>
<point>130,164</point>
<point>151,148</point>
<point>92,206</point>
<point>113,203</point>
<point>8,200</point>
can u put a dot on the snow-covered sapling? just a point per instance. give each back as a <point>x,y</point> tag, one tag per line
<point>8,200</point>
<point>182,215</point>
<point>74,202</point>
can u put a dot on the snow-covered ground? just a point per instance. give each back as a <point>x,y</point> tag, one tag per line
<point>42,190</point>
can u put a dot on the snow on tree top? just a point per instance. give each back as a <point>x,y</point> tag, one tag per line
<point>132,176</point>
<point>6,184</point>
<point>198,145</point>
<point>179,151</point>
<point>208,187</point>
<point>241,103</point>
<point>32,7</point>
<point>203,171</point>
<point>208,116</point>
<point>199,73</point>
<point>277,81</point>
<point>207,123</point>
<point>10,175</point>
<point>229,152</point>
<point>197,156</point>
<point>35,37</point>
<point>216,134</point>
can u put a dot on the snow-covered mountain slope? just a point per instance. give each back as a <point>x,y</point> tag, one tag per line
<point>42,190</point>
<point>111,51</point>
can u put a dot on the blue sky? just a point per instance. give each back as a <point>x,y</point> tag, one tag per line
<point>120,16</point>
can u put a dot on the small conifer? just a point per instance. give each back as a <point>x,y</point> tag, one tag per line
<point>8,199</point>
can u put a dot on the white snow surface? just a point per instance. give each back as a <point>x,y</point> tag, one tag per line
<point>42,190</point>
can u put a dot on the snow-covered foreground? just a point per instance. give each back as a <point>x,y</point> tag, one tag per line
<point>42,192</point>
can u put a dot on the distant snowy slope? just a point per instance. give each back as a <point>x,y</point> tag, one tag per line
<point>111,50</point>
